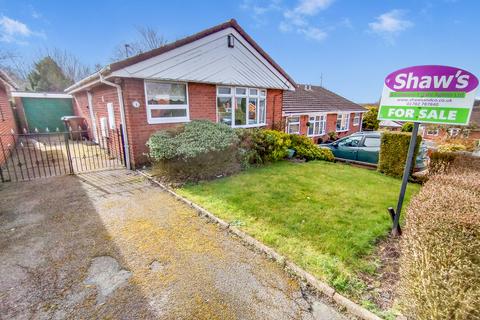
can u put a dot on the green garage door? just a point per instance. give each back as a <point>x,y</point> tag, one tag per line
<point>43,113</point>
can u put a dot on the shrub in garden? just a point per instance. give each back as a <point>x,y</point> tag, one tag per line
<point>440,262</point>
<point>195,151</point>
<point>261,146</point>
<point>451,147</point>
<point>407,127</point>
<point>444,162</point>
<point>393,152</point>
<point>306,149</point>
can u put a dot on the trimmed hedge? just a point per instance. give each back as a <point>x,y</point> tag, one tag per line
<point>444,162</point>
<point>440,261</point>
<point>393,152</point>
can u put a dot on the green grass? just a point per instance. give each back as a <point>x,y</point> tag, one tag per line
<point>326,217</point>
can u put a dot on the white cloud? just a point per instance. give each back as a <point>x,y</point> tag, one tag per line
<point>296,19</point>
<point>390,24</point>
<point>313,33</point>
<point>12,30</point>
<point>312,7</point>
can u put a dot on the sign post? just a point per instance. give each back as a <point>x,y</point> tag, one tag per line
<point>426,94</point>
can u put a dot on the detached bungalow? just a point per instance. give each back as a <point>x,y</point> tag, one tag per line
<point>220,74</point>
<point>315,112</point>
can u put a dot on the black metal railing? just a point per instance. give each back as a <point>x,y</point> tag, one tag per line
<point>26,156</point>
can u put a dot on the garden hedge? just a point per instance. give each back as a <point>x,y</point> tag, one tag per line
<point>393,152</point>
<point>440,261</point>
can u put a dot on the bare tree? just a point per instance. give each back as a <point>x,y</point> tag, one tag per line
<point>70,65</point>
<point>148,39</point>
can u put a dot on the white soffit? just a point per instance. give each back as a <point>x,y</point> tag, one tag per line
<point>210,60</point>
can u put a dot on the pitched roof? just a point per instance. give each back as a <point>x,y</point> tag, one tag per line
<point>309,99</point>
<point>232,23</point>
<point>6,78</point>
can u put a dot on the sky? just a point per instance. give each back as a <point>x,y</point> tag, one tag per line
<point>348,46</point>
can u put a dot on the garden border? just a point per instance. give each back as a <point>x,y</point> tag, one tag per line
<point>289,266</point>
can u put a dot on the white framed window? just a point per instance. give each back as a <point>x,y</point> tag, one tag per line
<point>167,102</point>
<point>343,122</point>
<point>432,132</point>
<point>111,116</point>
<point>293,125</point>
<point>317,125</point>
<point>241,107</point>
<point>356,119</point>
<point>453,132</point>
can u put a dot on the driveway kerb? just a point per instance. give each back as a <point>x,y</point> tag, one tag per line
<point>319,286</point>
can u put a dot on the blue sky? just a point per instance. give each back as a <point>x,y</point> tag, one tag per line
<point>353,44</point>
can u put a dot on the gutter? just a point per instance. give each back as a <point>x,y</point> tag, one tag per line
<point>80,84</point>
<point>122,117</point>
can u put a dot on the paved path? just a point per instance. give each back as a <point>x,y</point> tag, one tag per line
<point>110,245</point>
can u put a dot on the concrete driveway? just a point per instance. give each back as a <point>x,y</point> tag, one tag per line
<point>109,245</point>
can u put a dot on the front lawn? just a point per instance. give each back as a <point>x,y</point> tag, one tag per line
<point>326,217</point>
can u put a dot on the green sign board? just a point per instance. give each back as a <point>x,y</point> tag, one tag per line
<point>429,94</point>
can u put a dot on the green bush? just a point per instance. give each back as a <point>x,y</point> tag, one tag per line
<point>306,149</point>
<point>451,147</point>
<point>195,151</point>
<point>407,127</point>
<point>393,152</point>
<point>440,262</point>
<point>261,146</point>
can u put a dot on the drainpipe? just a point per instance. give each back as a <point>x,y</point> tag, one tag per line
<point>122,118</point>
<point>92,116</point>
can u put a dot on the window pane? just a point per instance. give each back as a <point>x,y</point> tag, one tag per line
<point>293,128</point>
<point>294,119</point>
<point>310,130</point>
<point>253,92</point>
<point>371,142</point>
<point>263,93</point>
<point>241,91</point>
<point>252,111</point>
<point>224,90</point>
<point>241,112</point>
<point>350,142</point>
<point>168,113</point>
<point>166,93</point>
<point>224,105</point>
<point>261,111</point>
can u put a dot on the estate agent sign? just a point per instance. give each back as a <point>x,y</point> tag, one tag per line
<point>425,94</point>
<point>429,94</point>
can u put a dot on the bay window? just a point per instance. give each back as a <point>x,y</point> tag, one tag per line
<point>241,107</point>
<point>343,121</point>
<point>317,125</point>
<point>293,125</point>
<point>167,102</point>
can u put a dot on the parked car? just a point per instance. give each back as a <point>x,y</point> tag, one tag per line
<point>364,147</point>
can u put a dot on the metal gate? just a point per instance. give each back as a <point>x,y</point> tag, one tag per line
<point>29,156</point>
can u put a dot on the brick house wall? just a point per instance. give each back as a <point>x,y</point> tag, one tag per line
<point>202,105</point>
<point>7,123</point>
<point>331,125</point>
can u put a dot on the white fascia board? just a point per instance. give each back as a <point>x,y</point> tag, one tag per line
<point>135,70</point>
<point>21,94</point>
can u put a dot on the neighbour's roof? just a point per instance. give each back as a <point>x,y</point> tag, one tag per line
<point>390,124</point>
<point>475,116</point>
<point>179,43</point>
<point>6,78</point>
<point>310,99</point>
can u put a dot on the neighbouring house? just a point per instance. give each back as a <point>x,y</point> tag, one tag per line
<point>220,74</point>
<point>317,112</point>
<point>7,119</point>
<point>390,125</point>
<point>442,132</point>
<point>42,111</point>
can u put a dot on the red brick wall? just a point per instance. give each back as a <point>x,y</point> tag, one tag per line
<point>331,125</point>
<point>202,105</point>
<point>7,122</point>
